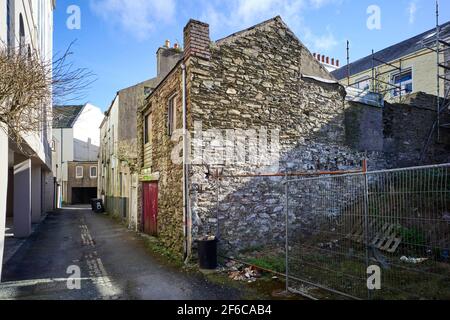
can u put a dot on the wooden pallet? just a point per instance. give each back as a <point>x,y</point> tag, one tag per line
<point>385,239</point>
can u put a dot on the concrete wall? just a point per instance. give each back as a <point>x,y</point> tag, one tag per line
<point>85,151</point>
<point>3,190</point>
<point>3,26</point>
<point>64,152</point>
<point>87,125</point>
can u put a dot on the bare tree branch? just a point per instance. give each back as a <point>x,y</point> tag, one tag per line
<point>28,87</point>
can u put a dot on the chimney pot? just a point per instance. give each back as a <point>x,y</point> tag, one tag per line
<point>337,63</point>
<point>167,44</point>
<point>175,45</point>
<point>323,58</point>
<point>332,61</point>
<point>328,60</point>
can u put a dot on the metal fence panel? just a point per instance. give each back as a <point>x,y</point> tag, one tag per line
<point>397,220</point>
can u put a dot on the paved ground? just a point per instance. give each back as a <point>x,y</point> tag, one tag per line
<point>114,264</point>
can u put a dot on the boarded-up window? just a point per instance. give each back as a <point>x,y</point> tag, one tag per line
<point>148,128</point>
<point>172,115</point>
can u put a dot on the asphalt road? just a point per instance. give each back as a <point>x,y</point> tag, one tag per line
<point>113,264</point>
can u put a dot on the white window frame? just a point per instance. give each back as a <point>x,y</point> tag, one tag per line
<point>361,80</point>
<point>395,74</point>
<point>90,172</point>
<point>76,172</point>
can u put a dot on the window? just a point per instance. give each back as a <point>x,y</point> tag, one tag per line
<point>148,128</point>
<point>404,82</point>
<point>172,115</point>
<point>363,83</point>
<point>21,34</point>
<point>79,172</point>
<point>147,91</point>
<point>8,23</point>
<point>93,172</point>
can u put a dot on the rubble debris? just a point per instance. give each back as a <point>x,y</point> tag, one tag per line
<point>413,260</point>
<point>238,272</point>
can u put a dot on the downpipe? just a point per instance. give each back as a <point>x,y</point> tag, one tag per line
<point>186,212</point>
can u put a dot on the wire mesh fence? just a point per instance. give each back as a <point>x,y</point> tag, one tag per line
<point>395,220</point>
<point>374,235</point>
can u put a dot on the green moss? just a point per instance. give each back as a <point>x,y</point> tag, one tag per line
<point>277,264</point>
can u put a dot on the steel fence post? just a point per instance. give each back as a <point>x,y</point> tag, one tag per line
<point>366,219</point>
<point>286,188</point>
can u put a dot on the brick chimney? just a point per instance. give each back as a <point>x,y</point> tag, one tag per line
<point>196,40</point>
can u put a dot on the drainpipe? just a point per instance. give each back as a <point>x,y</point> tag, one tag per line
<point>186,212</point>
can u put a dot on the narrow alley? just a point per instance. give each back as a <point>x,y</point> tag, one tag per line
<point>114,264</point>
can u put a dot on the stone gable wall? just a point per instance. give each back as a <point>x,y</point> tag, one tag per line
<point>254,81</point>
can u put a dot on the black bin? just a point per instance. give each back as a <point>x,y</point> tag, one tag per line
<point>97,205</point>
<point>207,254</point>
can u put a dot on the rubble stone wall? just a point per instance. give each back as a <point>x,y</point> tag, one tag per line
<point>254,81</point>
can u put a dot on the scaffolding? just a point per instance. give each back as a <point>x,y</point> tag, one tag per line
<point>378,85</point>
<point>441,47</point>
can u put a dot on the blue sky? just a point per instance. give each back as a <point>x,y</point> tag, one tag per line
<point>118,39</point>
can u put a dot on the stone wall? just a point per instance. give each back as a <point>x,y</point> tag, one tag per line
<point>254,80</point>
<point>168,174</point>
<point>398,131</point>
<point>261,79</point>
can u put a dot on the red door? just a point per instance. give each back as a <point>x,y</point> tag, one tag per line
<point>150,212</point>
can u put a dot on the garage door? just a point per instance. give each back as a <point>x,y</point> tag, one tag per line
<point>83,195</point>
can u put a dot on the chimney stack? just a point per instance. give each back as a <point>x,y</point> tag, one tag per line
<point>196,40</point>
<point>167,58</point>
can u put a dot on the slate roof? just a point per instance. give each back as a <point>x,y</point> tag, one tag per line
<point>392,53</point>
<point>64,117</point>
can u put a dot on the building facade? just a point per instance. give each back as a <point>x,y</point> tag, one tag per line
<point>404,68</point>
<point>76,142</point>
<point>27,184</point>
<point>260,84</point>
<point>118,179</point>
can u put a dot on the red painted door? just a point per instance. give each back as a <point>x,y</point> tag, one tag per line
<point>150,212</point>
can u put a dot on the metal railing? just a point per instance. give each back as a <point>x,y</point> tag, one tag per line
<point>333,231</point>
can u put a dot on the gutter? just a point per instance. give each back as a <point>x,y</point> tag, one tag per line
<point>186,212</point>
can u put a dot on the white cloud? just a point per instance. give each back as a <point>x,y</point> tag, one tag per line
<point>138,17</point>
<point>412,10</point>
<point>240,14</point>
<point>324,42</point>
